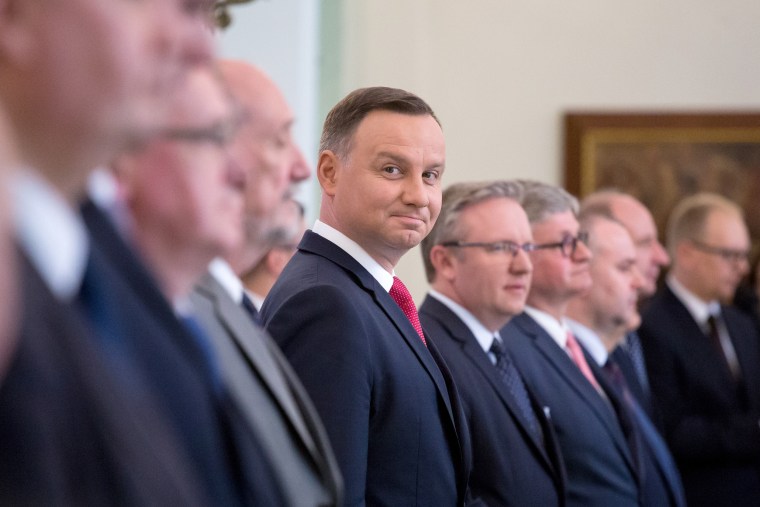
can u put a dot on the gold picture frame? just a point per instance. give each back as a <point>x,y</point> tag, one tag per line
<point>662,157</point>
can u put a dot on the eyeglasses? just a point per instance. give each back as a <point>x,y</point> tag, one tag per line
<point>727,254</point>
<point>495,247</point>
<point>567,246</point>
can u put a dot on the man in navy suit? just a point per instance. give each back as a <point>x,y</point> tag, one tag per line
<point>651,257</point>
<point>600,319</point>
<point>79,426</point>
<point>702,354</point>
<point>476,258</point>
<point>585,413</point>
<point>389,407</point>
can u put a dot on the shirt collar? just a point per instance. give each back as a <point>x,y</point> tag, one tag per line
<point>50,232</point>
<point>557,329</point>
<point>590,341</point>
<point>698,309</point>
<point>482,335</point>
<point>223,273</point>
<point>353,249</point>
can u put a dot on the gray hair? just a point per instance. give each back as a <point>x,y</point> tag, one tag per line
<point>457,198</point>
<point>541,200</point>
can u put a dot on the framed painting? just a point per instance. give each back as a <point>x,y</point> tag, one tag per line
<point>662,157</point>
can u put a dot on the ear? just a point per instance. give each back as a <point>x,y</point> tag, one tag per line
<point>444,263</point>
<point>328,169</point>
<point>17,34</point>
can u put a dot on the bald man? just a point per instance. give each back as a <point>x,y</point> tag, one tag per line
<point>259,378</point>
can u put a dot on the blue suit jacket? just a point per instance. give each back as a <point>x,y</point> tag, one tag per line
<point>510,467</point>
<point>600,468</point>
<point>710,422</point>
<point>389,408</point>
<point>172,365</point>
<point>71,433</point>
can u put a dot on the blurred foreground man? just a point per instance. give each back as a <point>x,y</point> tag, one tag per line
<point>259,379</point>
<point>477,260</point>
<point>350,328</point>
<point>600,319</point>
<point>702,354</point>
<point>78,423</point>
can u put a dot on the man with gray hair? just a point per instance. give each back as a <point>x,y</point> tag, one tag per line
<point>477,261</point>
<point>702,354</point>
<point>593,434</point>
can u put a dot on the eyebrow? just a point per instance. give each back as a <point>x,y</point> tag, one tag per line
<point>401,158</point>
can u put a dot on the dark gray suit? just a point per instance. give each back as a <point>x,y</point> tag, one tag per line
<point>510,466</point>
<point>272,398</point>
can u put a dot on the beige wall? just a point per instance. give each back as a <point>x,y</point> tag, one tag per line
<point>500,73</point>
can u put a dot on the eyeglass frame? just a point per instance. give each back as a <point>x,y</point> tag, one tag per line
<point>727,254</point>
<point>568,241</point>
<point>492,246</point>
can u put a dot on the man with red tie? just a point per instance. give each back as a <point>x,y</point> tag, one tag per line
<point>350,328</point>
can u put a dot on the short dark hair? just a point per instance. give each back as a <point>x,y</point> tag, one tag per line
<point>344,118</point>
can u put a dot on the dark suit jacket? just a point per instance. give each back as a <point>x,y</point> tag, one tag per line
<point>600,468</point>
<point>170,362</point>
<point>70,432</point>
<point>385,402</point>
<point>510,467</point>
<point>710,422</point>
<point>272,398</point>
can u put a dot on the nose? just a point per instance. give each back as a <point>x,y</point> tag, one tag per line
<point>660,256</point>
<point>582,252</point>
<point>521,263</point>
<point>234,174</point>
<point>299,169</point>
<point>415,190</point>
<point>637,279</point>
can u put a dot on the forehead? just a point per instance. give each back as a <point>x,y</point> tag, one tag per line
<point>725,228</point>
<point>611,242</point>
<point>381,130</point>
<point>499,217</point>
<point>634,216</point>
<point>554,227</point>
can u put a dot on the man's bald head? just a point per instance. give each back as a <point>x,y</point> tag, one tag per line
<point>264,149</point>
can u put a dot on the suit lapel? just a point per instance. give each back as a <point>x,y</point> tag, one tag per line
<point>475,354</point>
<point>575,380</point>
<point>318,245</point>
<point>251,342</point>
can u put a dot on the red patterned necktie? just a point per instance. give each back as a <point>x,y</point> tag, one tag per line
<point>403,299</point>
<point>576,354</point>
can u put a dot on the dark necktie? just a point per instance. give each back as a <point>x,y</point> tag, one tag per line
<point>203,344</point>
<point>403,299</point>
<point>717,336</point>
<point>516,387</point>
<point>632,347</point>
<point>251,310</point>
<point>649,435</point>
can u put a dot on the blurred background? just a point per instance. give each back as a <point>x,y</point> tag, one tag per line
<point>501,74</point>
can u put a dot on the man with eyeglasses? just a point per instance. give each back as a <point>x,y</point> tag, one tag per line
<point>477,261</point>
<point>585,412</point>
<point>703,355</point>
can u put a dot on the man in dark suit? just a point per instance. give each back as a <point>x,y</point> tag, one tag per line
<point>385,397</point>
<point>79,426</point>
<point>476,258</point>
<point>702,355</point>
<point>585,413</point>
<point>600,319</point>
<point>651,257</point>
